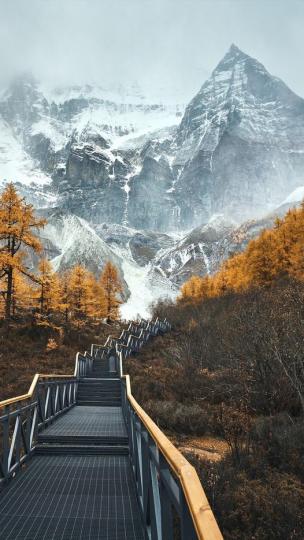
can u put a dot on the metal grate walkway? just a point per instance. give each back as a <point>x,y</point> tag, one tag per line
<point>72,497</point>
<point>80,484</point>
<point>81,460</point>
<point>88,421</point>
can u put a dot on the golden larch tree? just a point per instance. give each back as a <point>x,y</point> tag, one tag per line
<point>48,288</point>
<point>112,290</point>
<point>80,293</point>
<point>18,225</point>
<point>64,306</point>
<point>275,253</point>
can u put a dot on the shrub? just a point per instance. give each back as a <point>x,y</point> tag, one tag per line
<point>180,418</point>
<point>250,507</point>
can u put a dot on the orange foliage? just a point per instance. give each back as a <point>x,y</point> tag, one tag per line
<point>75,295</point>
<point>276,253</point>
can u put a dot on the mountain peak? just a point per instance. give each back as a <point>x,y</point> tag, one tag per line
<point>234,49</point>
<point>232,56</point>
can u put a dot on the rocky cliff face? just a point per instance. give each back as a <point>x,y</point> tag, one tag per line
<point>120,177</point>
<point>238,149</point>
<point>240,143</point>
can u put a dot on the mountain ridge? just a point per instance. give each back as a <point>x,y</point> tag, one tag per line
<point>237,152</point>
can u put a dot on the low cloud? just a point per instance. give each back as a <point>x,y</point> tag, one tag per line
<point>170,44</point>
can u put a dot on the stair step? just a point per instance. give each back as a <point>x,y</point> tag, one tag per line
<point>105,392</point>
<point>81,449</point>
<point>93,397</point>
<point>101,386</point>
<point>97,387</point>
<point>99,403</point>
<point>83,440</point>
<point>98,376</point>
<point>110,392</point>
<point>98,390</point>
<point>99,397</point>
<point>98,380</point>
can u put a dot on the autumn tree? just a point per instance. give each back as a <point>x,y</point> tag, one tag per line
<point>17,226</point>
<point>80,293</point>
<point>48,288</point>
<point>196,288</point>
<point>112,289</point>
<point>22,295</point>
<point>64,279</point>
<point>275,253</point>
<point>292,231</point>
<point>261,259</point>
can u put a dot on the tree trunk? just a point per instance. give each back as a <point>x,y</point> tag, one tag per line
<point>42,300</point>
<point>109,304</point>
<point>9,294</point>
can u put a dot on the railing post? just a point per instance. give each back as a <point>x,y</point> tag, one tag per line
<point>156,528</point>
<point>166,506</point>
<point>34,425</point>
<point>41,402</point>
<point>187,527</point>
<point>28,427</point>
<point>5,440</point>
<point>18,427</point>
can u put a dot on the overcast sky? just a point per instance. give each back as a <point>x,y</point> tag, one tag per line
<point>172,44</point>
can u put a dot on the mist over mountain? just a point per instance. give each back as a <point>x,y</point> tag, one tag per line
<point>151,170</point>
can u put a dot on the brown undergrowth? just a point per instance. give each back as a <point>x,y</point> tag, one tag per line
<point>27,349</point>
<point>227,385</point>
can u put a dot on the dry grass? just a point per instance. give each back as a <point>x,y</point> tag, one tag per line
<point>208,448</point>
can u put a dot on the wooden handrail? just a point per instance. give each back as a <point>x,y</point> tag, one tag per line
<point>32,388</point>
<point>204,521</point>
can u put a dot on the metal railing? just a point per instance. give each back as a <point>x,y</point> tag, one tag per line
<point>172,499</point>
<point>21,417</point>
<point>51,395</point>
<point>130,340</point>
<point>84,364</point>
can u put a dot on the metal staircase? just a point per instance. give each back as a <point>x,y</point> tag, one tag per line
<point>103,392</point>
<point>98,466</point>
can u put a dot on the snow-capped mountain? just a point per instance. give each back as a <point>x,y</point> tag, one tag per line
<point>151,265</point>
<point>110,155</point>
<point>68,240</point>
<point>162,190</point>
<point>241,143</point>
